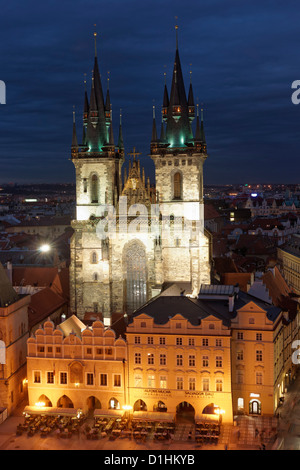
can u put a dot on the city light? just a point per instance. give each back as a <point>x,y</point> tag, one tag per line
<point>45,248</point>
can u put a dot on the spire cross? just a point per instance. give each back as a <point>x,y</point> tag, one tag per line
<point>134,153</point>
<point>120,116</point>
<point>74,114</point>
<point>176,29</point>
<point>108,79</point>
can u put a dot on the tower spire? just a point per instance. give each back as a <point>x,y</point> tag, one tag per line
<point>120,141</point>
<point>95,41</point>
<point>74,136</point>
<point>154,132</point>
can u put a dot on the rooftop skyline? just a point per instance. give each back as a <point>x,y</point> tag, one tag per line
<point>243,59</point>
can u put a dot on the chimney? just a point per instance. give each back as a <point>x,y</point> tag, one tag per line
<point>231,302</point>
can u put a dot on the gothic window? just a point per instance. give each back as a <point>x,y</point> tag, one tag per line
<point>177,185</point>
<point>136,276</point>
<point>94,189</point>
<point>94,258</point>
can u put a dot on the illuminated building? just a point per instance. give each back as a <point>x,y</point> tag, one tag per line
<point>112,274</point>
<point>13,337</point>
<point>74,366</point>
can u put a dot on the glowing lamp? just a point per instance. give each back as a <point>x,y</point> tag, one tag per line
<point>45,248</point>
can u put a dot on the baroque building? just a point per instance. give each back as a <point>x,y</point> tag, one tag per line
<point>130,239</point>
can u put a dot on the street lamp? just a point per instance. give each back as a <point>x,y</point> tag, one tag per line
<point>45,248</point>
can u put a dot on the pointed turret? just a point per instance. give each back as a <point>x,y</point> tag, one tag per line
<point>111,140</point>
<point>85,105</point>
<point>107,104</point>
<point>120,140</point>
<point>191,103</point>
<point>154,132</point>
<point>74,146</point>
<point>97,130</point>
<point>198,127</point>
<point>162,132</point>
<point>178,131</point>
<point>165,101</point>
<point>202,127</point>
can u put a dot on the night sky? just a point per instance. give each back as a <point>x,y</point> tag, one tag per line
<point>244,55</point>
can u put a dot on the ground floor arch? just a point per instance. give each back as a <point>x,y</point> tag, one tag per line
<point>114,404</point>
<point>160,406</point>
<point>140,405</point>
<point>65,402</point>
<point>185,412</point>
<point>45,400</point>
<point>93,403</point>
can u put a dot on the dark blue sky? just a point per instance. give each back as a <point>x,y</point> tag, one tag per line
<point>244,56</point>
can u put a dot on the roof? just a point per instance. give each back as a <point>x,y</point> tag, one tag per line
<point>162,308</point>
<point>33,276</point>
<point>72,325</point>
<point>242,279</point>
<point>43,304</point>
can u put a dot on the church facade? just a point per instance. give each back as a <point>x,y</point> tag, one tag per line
<point>131,239</point>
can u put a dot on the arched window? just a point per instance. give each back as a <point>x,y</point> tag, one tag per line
<point>136,276</point>
<point>94,189</point>
<point>177,185</point>
<point>95,277</point>
<point>94,258</point>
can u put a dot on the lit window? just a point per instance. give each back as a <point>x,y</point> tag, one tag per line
<point>117,380</point>
<point>219,361</point>
<point>192,383</point>
<point>179,383</point>
<point>192,361</point>
<point>162,359</point>
<point>89,379</point>
<point>179,360</point>
<point>37,377</point>
<point>151,359</point>
<point>63,378</point>
<point>219,385</point>
<point>137,358</point>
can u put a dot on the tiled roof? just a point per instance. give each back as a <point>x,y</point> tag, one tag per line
<point>43,304</point>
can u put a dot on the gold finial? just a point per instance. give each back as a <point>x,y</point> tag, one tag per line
<point>191,73</point>
<point>108,79</point>
<point>95,36</point>
<point>176,29</point>
<point>74,114</point>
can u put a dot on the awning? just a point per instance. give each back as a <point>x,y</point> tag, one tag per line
<point>49,410</point>
<point>153,416</point>
<point>108,413</point>
<point>207,417</point>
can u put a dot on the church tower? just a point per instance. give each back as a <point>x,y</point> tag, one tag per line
<point>179,156</point>
<point>98,161</point>
<point>116,271</point>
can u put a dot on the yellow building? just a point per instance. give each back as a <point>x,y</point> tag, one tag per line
<point>13,339</point>
<point>205,354</point>
<point>289,258</point>
<point>223,352</point>
<point>74,366</point>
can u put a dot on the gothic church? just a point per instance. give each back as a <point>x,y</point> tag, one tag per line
<point>119,272</point>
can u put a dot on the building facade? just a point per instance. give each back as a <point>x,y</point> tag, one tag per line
<point>289,259</point>
<point>119,270</point>
<point>73,366</point>
<point>14,333</point>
